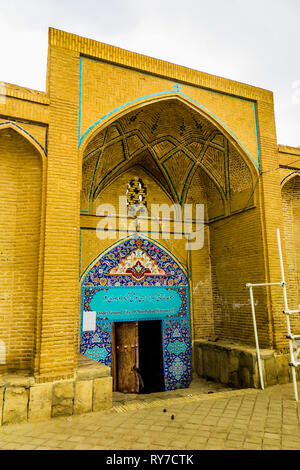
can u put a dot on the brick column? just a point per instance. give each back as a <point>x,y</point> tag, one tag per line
<point>271,218</point>
<point>57,344</point>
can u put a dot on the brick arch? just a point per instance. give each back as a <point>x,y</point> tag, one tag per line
<point>18,129</point>
<point>117,186</point>
<point>289,177</point>
<point>194,140</point>
<point>138,104</point>
<point>145,159</point>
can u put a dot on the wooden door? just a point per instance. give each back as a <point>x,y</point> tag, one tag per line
<point>126,357</point>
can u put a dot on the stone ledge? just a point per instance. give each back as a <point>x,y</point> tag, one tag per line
<point>236,365</point>
<point>23,400</point>
<point>11,380</point>
<point>88,369</point>
<point>220,344</point>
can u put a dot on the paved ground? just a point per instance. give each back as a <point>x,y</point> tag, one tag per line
<point>226,419</point>
<point>198,386</point>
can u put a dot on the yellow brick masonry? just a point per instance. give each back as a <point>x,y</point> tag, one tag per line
<point>238,114</point>
<point>237,258</point>
<point>153,66</point>
<point>289,160</point>
<point>289,156</point>
<point>271,218</point>
<point>291,237</point>
<point>21,199</point>
<point>250,236</point>
<point>24,104</point>
<point>24,94</point>
<point>58,345</point>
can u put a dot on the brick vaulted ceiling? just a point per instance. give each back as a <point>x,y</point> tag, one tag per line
<point>173,143</point>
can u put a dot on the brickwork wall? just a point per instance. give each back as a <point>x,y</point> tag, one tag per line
<point>290,238</point>
<point>289,173</point>
<point>20,224</point>
<point>271,219</point>
<point>236,250</point>
<point>57,343</point>
<point>289,156</point>
<point>35,132</point>
<point>22,103</point>
<point>237,258</point>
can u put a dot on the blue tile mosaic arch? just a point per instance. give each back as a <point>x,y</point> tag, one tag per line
<point>137,280</point>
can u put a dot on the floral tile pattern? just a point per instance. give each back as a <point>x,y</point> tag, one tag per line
<point>177,353</point>
<point>139,262</point>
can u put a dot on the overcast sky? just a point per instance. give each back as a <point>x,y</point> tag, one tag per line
<point>252,41</point>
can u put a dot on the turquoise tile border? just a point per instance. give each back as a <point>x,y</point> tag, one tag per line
<point>257,138</point>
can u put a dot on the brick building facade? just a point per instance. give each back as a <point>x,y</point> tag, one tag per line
<point>115,123</point>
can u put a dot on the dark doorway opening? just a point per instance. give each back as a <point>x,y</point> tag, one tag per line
<point>151,356</point>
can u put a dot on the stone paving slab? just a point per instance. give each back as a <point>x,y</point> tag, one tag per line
<point>239,419</point>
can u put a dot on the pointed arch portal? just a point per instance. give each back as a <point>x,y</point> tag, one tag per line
<point>137,281</point>
<point>180,147</point>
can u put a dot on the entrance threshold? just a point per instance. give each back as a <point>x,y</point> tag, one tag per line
<point>198,387</point>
